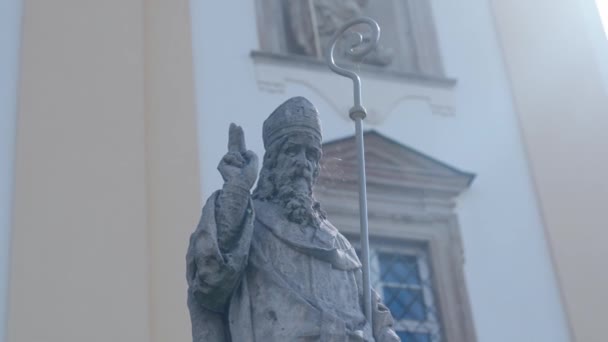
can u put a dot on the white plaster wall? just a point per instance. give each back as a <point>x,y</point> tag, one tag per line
<point>509,275</point>
<point>10,20</point>
<point>561,100</point>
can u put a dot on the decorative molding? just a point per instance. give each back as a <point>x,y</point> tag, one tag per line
<point>394,166</point>
<point>384,89</point>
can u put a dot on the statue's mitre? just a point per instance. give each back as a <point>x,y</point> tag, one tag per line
<point>295,115</point>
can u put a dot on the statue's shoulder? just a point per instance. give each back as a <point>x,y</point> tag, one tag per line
<point>342,240</point>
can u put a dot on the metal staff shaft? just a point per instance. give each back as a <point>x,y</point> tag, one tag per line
<point>357,113</point>
<point>367,294</point>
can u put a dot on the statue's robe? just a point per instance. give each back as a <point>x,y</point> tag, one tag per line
<point>279,282</point>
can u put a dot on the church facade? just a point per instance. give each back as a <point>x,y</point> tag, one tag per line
<point>483,140</point>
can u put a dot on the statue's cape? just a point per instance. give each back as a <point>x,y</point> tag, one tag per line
<point>324,243</point>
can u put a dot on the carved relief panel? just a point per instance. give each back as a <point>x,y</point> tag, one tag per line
<point>304,27</point>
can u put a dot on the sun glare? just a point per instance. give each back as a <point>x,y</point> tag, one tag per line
<point>602,6</point>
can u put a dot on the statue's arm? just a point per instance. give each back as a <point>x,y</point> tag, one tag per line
<point>232,206</point>
<point>213,270</point>
<point>219,247</point>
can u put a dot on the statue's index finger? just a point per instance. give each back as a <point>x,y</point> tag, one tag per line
<point>236,139</point>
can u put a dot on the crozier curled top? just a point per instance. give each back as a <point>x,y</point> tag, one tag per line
<point>359,48</point>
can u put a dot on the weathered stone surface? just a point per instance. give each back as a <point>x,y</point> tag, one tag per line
<point>268,265</point>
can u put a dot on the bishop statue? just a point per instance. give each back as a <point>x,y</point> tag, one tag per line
<point>267,265</point>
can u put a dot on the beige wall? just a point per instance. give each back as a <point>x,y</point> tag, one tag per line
<point>173,187</point>
<point>563,110</point>
<point>106,172</point>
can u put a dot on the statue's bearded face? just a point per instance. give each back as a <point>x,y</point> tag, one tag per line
<point>297,167</point>
<point>297,163</point>
<point>289,172</point>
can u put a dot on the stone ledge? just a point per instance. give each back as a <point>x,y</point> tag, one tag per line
<point>366,69</point>
<point>384,90</point>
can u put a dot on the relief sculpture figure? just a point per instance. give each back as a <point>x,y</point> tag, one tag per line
<point>267,265</point>
<point>329,17</point>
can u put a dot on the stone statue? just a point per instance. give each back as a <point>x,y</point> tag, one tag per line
<point>269,266</point>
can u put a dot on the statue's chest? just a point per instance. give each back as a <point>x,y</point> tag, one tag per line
<point>310,276</point>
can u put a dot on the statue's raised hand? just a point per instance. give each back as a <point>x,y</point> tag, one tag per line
<point>239,166</point>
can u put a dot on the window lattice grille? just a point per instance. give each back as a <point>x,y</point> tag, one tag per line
<point>402,276</point>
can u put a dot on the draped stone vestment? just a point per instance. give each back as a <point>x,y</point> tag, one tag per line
<point>280,282</point>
